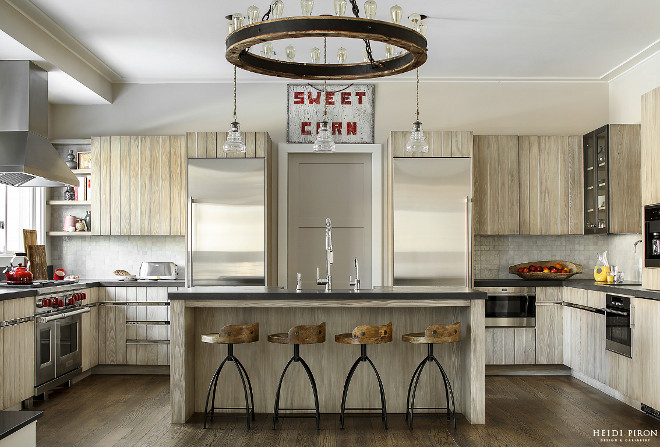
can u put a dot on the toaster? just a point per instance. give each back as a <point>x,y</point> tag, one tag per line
<point>157,270</point>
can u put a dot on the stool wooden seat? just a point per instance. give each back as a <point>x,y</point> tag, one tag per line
<point>298,335</point>
<point>367,335</point>
<point>434,334</point>
<point>363,336</point>
<point>231,335</point>
<point>234,334</point>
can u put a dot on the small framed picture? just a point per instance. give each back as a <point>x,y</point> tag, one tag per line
<point>84,160</point>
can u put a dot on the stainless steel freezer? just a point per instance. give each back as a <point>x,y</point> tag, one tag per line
<point>432,223</point>
<point>226,229</point>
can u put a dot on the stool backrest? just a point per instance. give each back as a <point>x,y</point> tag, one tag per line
<point>241,333</point>
<point>301,335</point>
<point>444,333</point>
<point>381,333</point>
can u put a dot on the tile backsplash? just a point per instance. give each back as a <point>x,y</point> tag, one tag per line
<point>96,257</point>
<point>492,255</point>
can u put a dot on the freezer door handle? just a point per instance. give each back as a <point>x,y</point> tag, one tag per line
<point>468,241</point>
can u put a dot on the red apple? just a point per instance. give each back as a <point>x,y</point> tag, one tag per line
<point>553,270</point>
<point>525,270</point>
<point>520,270</point>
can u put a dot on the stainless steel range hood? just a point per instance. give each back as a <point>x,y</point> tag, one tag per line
<point>26,156</point>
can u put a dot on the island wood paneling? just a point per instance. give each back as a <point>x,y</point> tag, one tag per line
<point>625,178</point>
<point>650,142</point>
<point>551,188</point>
<point>138,185</point>
<point>496,185</point>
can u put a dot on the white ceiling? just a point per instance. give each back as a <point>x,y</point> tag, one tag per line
<point>160,41</point>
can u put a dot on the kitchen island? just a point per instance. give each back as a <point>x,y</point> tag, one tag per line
<point>201,310</point>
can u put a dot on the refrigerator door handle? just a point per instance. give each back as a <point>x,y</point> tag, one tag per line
<point>189,236</point>
<point>468,241</point>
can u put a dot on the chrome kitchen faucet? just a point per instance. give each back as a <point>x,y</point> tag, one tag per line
<point>329,258</point>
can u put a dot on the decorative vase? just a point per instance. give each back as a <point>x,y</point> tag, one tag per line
<point>71,160</point>
<point>70,193</point>
<point>88,220</point>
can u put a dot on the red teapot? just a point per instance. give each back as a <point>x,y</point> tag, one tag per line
<point>18,275</point>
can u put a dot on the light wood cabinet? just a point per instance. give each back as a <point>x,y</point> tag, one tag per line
<point>550,294</point>
<point>584,343</point>
<point>510,346</point>
<point>643,383</point>
<point>138,185</point>
<point>549,334</point>
<point>551,191</point>
<point>524,346</point>
<point>17,352</point>
<point>90,331</point>
<point>496,185</point>
<point>650,173</point>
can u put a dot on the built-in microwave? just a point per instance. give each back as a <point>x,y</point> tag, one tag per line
<point>652,235</point>
<point>510,306</point>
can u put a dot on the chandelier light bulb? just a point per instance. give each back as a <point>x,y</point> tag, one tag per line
<point>290,52</point>
<point>230,27</point>
<point>370,9</point>
<point>340,7</point>
<point>252,15</point>
<point>341,55</point>
<point>389,51</point>
<point>396,12</point>
<point>237,17</point>
<point>422,28</point>
<point>277,9</point>
<point>415,19</point>
<point>268,49</point>
<point>316,55</point>
<point>307,6</point>
<point>324,141</point>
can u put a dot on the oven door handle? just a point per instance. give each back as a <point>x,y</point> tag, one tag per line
<point>617,312</point>
<point>62,316</point>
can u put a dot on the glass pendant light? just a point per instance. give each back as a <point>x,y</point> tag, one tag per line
<point>324,141</point>
<point>340,7</point>
<point>252,15</point>
<point>307,6</point>
<point>370,9</point>
<point>290,52</point>
<point>417,142</point>
<point>277,9</point>
<point>234,141</point>
<point>396,12</point>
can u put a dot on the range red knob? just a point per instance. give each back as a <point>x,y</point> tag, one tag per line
<point>60,302</point>
<point>72,301</point>
<point>49,302</point>
<point>84,295</point>
<point>76,297</point>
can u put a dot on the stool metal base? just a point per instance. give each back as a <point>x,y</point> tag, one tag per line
<point>363,358</point>
<point>410,401</point>
<point>249,404</point>
<point>276,411</point>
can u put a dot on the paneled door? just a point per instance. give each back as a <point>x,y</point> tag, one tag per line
<point>335,186</point>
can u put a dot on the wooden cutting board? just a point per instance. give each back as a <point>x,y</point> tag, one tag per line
<point>37,256</point>
<point>29,238</point>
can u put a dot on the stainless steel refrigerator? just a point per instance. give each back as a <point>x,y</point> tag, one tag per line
<point>432,221</point>
<point>226,228</point>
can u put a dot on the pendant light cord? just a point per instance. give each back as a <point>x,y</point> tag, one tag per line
<point>417,94</point>
<point>325,82</point>
<point>235,93</point>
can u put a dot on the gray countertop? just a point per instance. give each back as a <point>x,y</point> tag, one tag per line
<point>275,293</point>
<point>12,421</point>
<point>631,289</point>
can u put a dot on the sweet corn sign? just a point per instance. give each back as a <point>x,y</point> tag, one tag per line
<point>350,112</point>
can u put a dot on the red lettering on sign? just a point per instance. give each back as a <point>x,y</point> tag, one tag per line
<point>351,128</point>
<point>345,97</point>
<point>330,98</point>
<point>312,100</point>
<point>299,98</point>
<point>360,95</point>
<point>303,128</point>
<point>336,128</point>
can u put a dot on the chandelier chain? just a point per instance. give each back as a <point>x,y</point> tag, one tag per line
<point>417,71</point>
<point>235,93</point>
<point>367,44</point>
<point>267,15</point>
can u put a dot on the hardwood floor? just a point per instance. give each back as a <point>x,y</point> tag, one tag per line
<point>114,410</point>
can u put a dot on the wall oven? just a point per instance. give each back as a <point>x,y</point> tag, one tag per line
<point>618,325</point>
<point>510,306</point>
<point>58,336</point>
<point>652,235</point>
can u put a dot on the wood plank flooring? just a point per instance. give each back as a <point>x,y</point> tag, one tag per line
<point>116,410</point>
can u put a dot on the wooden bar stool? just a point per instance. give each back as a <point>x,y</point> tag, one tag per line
<point>436,333</point>
<point>232,335</point>
<point>298,335</point>
<point>363,336</point>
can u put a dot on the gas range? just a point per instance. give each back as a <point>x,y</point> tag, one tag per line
<point>40,284</point>
<point>64,303</point>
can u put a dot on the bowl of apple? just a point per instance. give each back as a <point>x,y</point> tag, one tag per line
<point>558,270</point>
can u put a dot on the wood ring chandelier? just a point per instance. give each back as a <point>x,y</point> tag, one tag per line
<point>241,40</point>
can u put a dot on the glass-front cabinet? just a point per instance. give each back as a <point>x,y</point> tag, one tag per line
<point>596,181</point>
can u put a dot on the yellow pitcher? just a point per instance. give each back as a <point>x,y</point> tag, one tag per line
<point>600,273</point>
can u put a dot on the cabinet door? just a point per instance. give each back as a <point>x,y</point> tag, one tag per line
<point>525,346</point>
<point>549,294</point>
<point>500,346</point>
<point>549,334</point>
<point>650,140</point>
<point>646,352</point>
<point>90,337</point>
<point>550,184</point>
<point>625,182</point>
<point>496,185</point>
